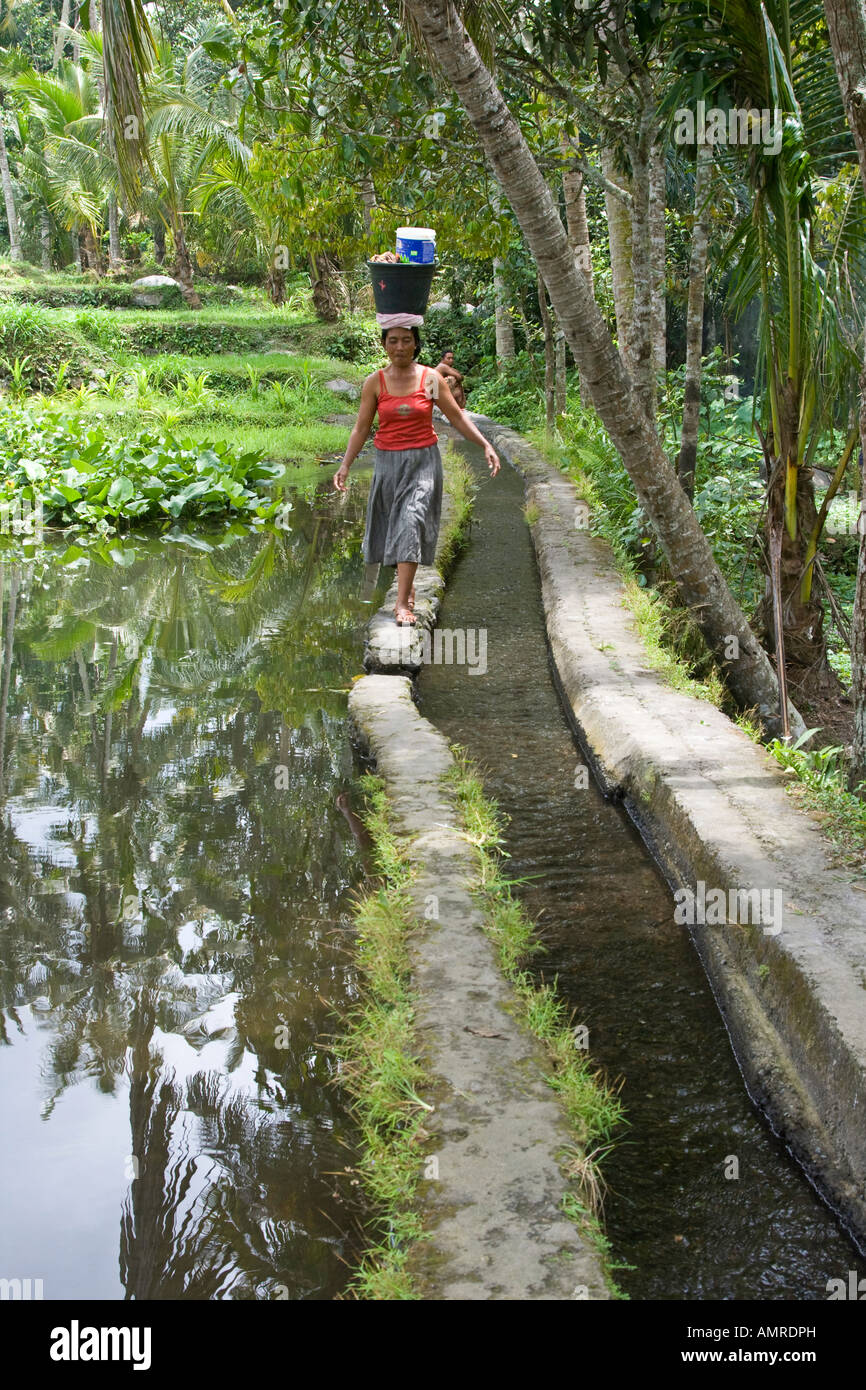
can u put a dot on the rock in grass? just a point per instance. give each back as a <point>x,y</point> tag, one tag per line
<point>155,291</point>
<point>344,388</point>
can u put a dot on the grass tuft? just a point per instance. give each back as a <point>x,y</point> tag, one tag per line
<point>460,489</point>
<point>592,1105</point>
<point>380,1068</point>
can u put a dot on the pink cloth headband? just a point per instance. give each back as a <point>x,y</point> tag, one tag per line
<point>399,320</point>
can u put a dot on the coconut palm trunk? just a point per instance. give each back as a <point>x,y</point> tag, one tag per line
<point>182,261</point>
<point>114,261</point>
<point>9,192</point>
<point>61,37</point>
<point>549,355</point>
<point>657,204</point>
<point>640,352</point>
<point>504,326</point>
<point>702,587</point>
<point>695,322</point>
<point>619,240</point>
<point>45,239</point>
<point>577,224</point>
<point>846,23</point>
<point>561,380</point>
<point>501,307</point>
<point>368,201</point>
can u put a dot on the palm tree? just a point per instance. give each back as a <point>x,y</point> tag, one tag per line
<point>846,22</point>
<point>76,168</point>
<point>183,137</point>
<point>8,30</point>
<point>247,215</point>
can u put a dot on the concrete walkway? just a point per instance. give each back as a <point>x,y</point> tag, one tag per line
<point>494,1211</point>
<point>713,808</point>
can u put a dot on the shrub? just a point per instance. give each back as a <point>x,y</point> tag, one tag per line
<point>27,331</point>
<point>513,397</point>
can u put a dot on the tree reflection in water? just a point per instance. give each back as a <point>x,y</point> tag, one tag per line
<point>167,904</point>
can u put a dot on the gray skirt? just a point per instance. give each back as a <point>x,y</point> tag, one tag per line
<point>404,507</point>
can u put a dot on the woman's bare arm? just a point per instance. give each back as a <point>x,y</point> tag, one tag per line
<point>460,420</point>
<point>360,430</point>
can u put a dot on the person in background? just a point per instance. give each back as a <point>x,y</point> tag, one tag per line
<point>454,378</point>
<point>405,502</point>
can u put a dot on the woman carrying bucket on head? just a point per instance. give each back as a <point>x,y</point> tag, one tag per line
<point>405,503</point>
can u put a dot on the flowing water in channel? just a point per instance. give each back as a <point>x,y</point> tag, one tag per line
<point>175,884</point>
<point>631,975</point>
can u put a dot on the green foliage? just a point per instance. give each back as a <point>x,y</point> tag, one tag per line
<point>355,338</point>
<point>379,1064</point>
<point>471,337</point>
<point>515,397</point>
<point>82,477</point>
<point>18,376</point>
<point>820,780</point>
<point>99,330</point>
<point>819,768</point>
<point>28,332</point>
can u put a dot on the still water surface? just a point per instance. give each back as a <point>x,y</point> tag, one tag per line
<point>175,884</point>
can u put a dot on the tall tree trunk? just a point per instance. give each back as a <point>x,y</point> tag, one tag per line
<point>803,620</point>
<point>114,261</point>
<point>368,201</point>
<point>657,204</point>
<point>92,253</point>
<point>561,385</point>
<point>275,283</point>
<point>60,38</point>
<point>640,352</point>
<point>45,238</point>
<point>76,38</point>
<point>695,322</point>
<point>619,239</point>
<point>501,307</point>
<point>9,192</point>
<point>549,355</point>
<point>504,326</point>
<point>182,262</point>
<point>159,241</point>
<point>701,584</point>
<point>846,23</point>
<point>577,225</point>
<point>325,294</point>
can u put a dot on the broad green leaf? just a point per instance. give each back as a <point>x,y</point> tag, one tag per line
<point>121,490</point>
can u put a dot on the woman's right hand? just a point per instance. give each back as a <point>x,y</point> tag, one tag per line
<point>340,477</point>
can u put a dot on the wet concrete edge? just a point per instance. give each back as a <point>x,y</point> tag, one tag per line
<point>492,1202</point>
<point>712,807</point>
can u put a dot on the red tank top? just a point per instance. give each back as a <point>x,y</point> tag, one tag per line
<point>405,422</point>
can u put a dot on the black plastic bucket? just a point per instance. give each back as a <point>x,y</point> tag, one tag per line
<point>401,289</point>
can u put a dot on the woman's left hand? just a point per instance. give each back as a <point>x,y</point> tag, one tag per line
<point>492,458</point>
